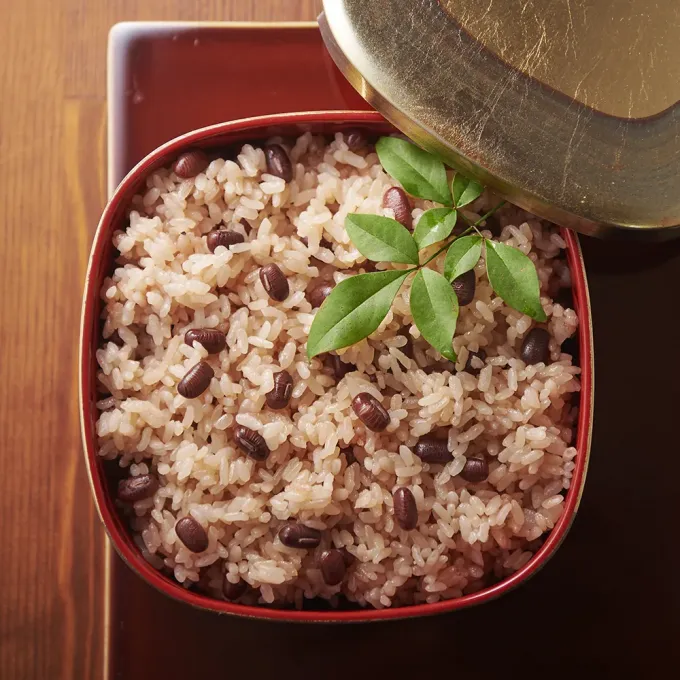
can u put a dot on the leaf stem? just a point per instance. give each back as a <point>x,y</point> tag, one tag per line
<point>446,245</point>
<point>472,225</point>
<point>483,217</point>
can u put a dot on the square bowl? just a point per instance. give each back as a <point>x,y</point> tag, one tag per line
<point>225,136</point>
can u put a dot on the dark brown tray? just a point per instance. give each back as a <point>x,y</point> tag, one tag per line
<point>604,604</point>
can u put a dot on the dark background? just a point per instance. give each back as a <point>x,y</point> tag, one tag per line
<point>607,602</point>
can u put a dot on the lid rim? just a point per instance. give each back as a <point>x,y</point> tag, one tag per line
<point>624,207</point>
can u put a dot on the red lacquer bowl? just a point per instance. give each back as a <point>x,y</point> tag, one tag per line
<point>225,136</point>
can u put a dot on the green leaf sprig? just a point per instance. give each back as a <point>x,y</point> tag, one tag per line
<point>356,306</point>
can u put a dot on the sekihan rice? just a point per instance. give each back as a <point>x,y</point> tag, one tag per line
<point>166,281</point>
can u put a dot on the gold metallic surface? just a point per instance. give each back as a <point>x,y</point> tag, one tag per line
<point>568,108</point>
<point>621,57</point>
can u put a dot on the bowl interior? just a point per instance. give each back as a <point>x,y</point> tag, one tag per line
<point>224,140</point>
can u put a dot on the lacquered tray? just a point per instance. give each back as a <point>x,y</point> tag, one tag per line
<point>166,79</point>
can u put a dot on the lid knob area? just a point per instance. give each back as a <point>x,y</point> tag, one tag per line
<point>567,110</point>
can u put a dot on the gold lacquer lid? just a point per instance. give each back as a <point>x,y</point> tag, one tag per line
<point>567,108</point>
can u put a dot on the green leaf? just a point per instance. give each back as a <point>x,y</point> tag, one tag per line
<point>465,190</point>
<point>513,276</point>
<point>462,256</point>
<point>434,225</point>
<point>353,310</point>
<point>381,239</point>
<point>434,308</point>
<point>420,173</point>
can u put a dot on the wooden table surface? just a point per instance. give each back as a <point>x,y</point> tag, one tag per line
<point>52,190</point>
<point>607,604</point>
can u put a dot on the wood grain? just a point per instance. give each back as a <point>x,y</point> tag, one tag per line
<point>606,605</point>
<point>52,190</point>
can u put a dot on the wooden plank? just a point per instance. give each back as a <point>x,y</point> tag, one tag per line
<point>606,603</point>
<point>52,190</point>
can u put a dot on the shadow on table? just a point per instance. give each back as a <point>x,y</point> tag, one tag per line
<point>604,604</point>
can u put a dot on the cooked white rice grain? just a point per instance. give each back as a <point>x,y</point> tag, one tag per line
<point>324,469</point>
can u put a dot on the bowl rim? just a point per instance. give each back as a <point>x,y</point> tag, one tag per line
<point>119,534</point>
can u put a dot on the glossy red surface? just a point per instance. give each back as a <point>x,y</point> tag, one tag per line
<point>167,74</point>
<point>225,135</point>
